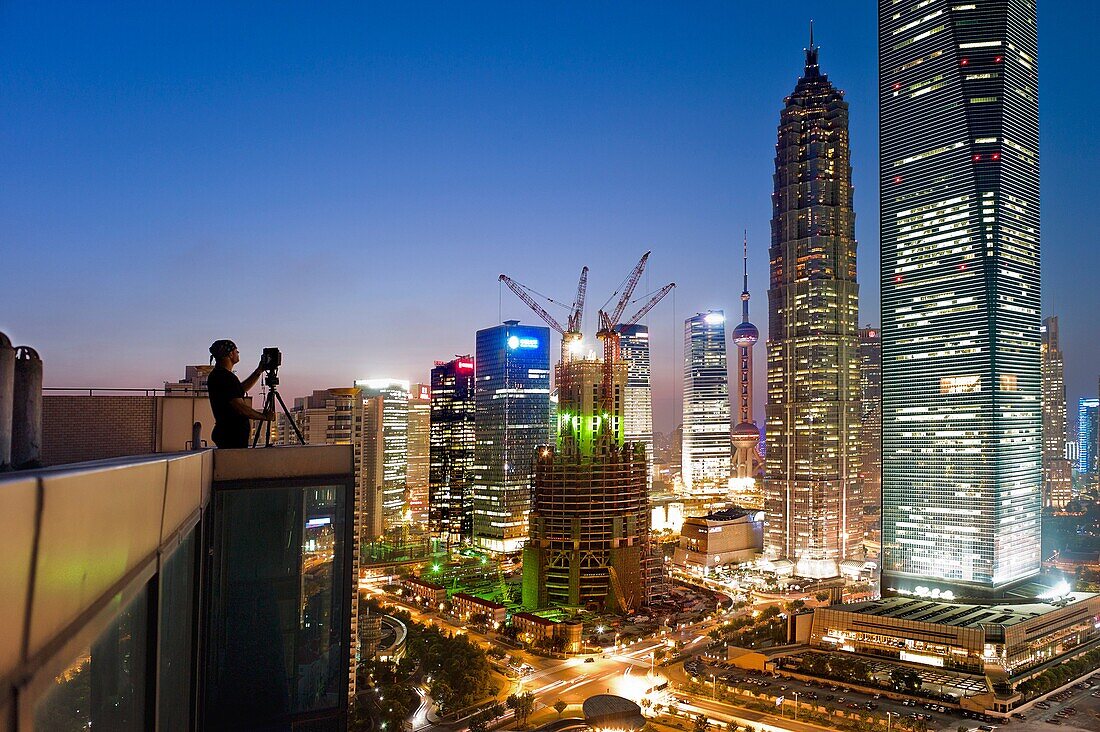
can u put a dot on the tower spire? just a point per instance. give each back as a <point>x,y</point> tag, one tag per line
<point>811,54</point>
<point>745,289</point>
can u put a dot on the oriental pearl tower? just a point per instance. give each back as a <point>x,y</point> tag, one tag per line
<point>746,435</point>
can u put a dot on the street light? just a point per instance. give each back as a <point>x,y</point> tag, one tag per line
<point>888,716</point>
<point>796,706</point>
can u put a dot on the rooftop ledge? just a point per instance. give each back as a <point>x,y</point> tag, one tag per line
<point>71,535</point>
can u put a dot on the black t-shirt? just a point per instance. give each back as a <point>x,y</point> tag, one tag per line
<point>230,426</point>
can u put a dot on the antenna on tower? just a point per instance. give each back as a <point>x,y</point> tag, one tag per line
<point>745,289</point>
<point>811,32</point>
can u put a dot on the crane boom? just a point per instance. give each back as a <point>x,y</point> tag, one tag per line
<point>577,313</point>
<point>650,305</point>
<point>631,283</point>
<point>522,294</point>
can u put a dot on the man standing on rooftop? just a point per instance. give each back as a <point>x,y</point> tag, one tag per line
<point>227,397</point>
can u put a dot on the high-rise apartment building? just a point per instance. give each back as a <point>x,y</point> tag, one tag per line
<point>870,430</point>
<point>961,395</point>
<point>707,451</point>
<point>417,474</point>
<point>814,512</point>
<point>384,457</point>
<point>1088,427</point>
<point>1057,469</point>
<point>450,500</point>
<point>638,406</point>
<point>326,417</point>
<point>512,419</point>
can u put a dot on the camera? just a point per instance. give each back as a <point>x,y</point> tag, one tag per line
<point>271,359</point>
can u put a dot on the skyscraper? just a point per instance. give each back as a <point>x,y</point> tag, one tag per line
<point>512,419</point>
<point>1088,421</point>
<point>814,513</point>
<point>450,500</point>
<point>383,463</point>
<point>416,480</point>
<point>1057,470</point>
<point>961,397</point>
<point>589,523</point>
<point>707,451</point>
<point>870,430</point>
<point>638,405</point>
<point>747,490</point>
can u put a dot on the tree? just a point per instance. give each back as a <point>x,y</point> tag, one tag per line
<point>522,705</point>
<point>701,723</point>
<point>559,707</point>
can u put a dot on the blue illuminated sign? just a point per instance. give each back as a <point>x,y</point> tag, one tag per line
<point>515,342</point>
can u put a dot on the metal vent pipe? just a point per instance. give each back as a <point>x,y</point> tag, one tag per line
<point>7,397</point>
<point>26,423</point>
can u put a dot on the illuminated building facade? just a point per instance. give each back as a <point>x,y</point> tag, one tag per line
<point>450,499</point>
<point>512,419</point>
<point>870,431</point>
<point>589,525</point>
<point>1088,420</point>
<point>417,474</point>
<point>961,395</point>
<point>1009,643</point>
<point>707,452</point>
<point>812,503</point>
<point>638,416</point>
<point>383,457</point>
<point>1057,469</point>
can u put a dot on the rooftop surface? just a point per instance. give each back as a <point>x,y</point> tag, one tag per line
<point>969,615</point>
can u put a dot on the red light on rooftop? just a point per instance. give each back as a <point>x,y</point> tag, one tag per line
<point>996,156</point>
<point>964,62</point>
<point>977,158</point>
<point>897,278</point>
<point>962,266</point>
<point>897,86</point>
<point>998,59</point>
<point>897,179</point>
<point>465,365</point>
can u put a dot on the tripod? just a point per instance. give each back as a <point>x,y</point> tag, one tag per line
<point>271,381</point>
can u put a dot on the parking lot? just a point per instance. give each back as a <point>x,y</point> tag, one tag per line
<point>1077,708</point>
<point>835,696</point>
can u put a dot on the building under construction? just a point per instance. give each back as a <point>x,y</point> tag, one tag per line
<point>589,542</point>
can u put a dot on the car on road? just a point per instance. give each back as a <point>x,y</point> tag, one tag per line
<point>590,659</point>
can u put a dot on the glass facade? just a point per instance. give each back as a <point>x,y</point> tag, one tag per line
<point>105,684</point>
<point>638,417</point>
<point>707,450</point>
<point>1088,418</point>
<point>450,500</point>
<point>512,419</point>
<point>961,402</point>
<point>811,488</point>
<point>278,612</point>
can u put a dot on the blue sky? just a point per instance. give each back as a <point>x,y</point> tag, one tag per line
<point>346,181</point>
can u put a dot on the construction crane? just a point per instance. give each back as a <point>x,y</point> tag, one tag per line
<point>609,325</point>
<point>571,332</point>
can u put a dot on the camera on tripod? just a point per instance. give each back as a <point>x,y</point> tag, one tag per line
<point>271,359</point>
